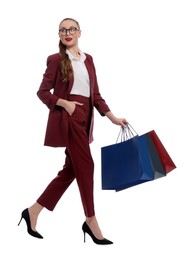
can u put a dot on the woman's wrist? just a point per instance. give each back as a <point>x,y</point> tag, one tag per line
<point>61,102</point>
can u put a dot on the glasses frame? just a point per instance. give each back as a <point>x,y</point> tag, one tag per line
<point>68,30</point>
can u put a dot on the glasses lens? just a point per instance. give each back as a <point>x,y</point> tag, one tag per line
<point>63,32</point>
<point>72,30</point>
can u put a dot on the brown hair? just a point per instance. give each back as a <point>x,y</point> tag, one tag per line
<point>65,66</point>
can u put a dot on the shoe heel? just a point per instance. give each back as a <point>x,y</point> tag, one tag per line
<point>19,221</point>
<point>84,237</point>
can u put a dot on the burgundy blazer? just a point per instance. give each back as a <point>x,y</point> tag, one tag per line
<point>52,88</point>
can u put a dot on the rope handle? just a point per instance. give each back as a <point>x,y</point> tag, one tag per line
<point>126,133</point>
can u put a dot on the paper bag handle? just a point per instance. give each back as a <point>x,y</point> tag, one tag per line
<point>126,133</point>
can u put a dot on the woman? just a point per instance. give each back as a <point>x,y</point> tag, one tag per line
<point>72,76</point>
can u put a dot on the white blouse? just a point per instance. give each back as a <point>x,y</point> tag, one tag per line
<point>81,85</point>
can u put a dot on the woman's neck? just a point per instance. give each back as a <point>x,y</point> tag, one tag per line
<point>75,52</point>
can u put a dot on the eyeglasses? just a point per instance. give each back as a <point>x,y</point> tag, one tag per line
<point>71,30</point>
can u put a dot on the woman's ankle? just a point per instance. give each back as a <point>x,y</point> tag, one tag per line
<point>93,225</point>
<point>35,209</point>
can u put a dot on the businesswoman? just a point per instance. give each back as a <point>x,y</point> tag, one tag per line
<point>70,90</point>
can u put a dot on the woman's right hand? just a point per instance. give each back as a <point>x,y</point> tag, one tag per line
<point>69,106</point>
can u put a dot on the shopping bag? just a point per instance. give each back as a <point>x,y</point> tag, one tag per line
<point>126,164</point>
<point>155,159</point>
<point>150,161</point>
<point>164,156</point>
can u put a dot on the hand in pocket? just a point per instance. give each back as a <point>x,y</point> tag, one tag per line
<point>71,105</point>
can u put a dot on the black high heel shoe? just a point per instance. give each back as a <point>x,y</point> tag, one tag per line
<point>25,215</point>
<point>104,241</point>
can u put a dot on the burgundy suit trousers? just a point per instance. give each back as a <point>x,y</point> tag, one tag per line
<point>78,165</point>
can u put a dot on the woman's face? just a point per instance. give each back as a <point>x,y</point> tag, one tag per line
<point>69,33</point>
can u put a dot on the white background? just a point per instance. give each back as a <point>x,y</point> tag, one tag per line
<point>142,57</point>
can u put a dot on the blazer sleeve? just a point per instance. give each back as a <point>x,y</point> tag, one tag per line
<point>48,82</point>
<point>99,103</point>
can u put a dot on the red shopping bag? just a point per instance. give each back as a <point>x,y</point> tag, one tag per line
<point>165,158</point>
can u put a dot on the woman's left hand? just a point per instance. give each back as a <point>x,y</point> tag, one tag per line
<point>117,121</point>
<point>120,121</point>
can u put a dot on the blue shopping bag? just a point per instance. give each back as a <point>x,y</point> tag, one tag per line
<point>150,161</point>
<point>126,164</point>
